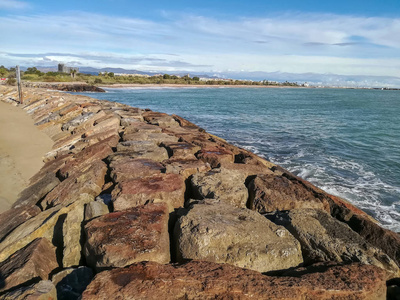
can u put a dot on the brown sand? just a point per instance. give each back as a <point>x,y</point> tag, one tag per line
<point>22,147</point>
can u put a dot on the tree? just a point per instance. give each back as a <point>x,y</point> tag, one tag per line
<point>73,72</point>
<point>111,74</point>
<point>167,76</point>
<point>195,78</point>
<point>3,71</point>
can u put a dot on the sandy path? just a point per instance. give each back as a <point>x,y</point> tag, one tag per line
<point>22,147</point>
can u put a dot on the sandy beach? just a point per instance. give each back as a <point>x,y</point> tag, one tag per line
<point>22,147</point>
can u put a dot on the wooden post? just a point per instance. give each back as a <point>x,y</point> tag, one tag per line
<point>18,74</point>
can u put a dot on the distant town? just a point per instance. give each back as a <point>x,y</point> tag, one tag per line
<point>64,74</point>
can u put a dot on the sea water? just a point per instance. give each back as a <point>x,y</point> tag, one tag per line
<point>345,141</point>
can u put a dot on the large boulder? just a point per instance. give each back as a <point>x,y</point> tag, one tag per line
<point>324,238</point>
<point>122,238</point>
<point>34,262</point>
<point>166,188</point>
<point>132,168</point>
<point>270,192</point>
<point>218,232</point>
<point>221,184</point>
<point>207,280</point>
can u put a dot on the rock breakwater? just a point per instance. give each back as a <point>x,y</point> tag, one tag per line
<point>136,204</point>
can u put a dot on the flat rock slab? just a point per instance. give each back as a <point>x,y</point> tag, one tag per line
<point>221,184</point>
<point>88,180</point>
<point>43,290</point>
<point>185,168</point>
<point>181,150</point>
<point>122,238</point>
<point>218,232</point>
<point>12,218</point>
<point>165,188</point>
<point>206,280</point>
<point>130,168</point>
<point>35,261</point>
<point>324,238</point>
<point>270,192</point>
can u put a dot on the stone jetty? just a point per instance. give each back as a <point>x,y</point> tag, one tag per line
<point>137,204</point>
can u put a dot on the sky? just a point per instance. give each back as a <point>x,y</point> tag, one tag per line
<point>356,39</point>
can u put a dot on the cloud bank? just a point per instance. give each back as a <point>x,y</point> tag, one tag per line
<point>293,43</point>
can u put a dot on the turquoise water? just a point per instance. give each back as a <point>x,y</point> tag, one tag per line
<point>345,141</point>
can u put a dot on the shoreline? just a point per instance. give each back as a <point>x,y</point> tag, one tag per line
<point>22,147</point>
<point>153,203</point>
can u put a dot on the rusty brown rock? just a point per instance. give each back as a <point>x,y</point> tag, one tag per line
<point>85,158</point>
<point>122,238</point>
<point>12,218</point>
<point>159,119</point>
<point>166,188</point>
<point>269,192</point>
<point>216,156</point>
<point>36,261</point>
<point>130,168</point>
<point>206,280</point>
<point>181,150</point>
<point>185,168</point>
<point>89,180</point>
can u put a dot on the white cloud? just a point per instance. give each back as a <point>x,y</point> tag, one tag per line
<point>13,4</point>
<point>288,43</point>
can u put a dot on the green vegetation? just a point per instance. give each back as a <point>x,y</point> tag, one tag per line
<point>109,78</point>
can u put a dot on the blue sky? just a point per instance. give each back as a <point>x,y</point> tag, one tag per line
<point>324,37</point>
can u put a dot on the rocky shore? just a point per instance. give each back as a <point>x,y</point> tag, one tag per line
<point>136,204</point>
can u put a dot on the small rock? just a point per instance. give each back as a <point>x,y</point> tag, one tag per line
<point>72,230</point>
<point>181,150</point>
<point>122,238</point>
<point>95,209</point>
<point>185,168</point>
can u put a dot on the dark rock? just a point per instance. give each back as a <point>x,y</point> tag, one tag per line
<point>70,283</point>
<point>323,238</point>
